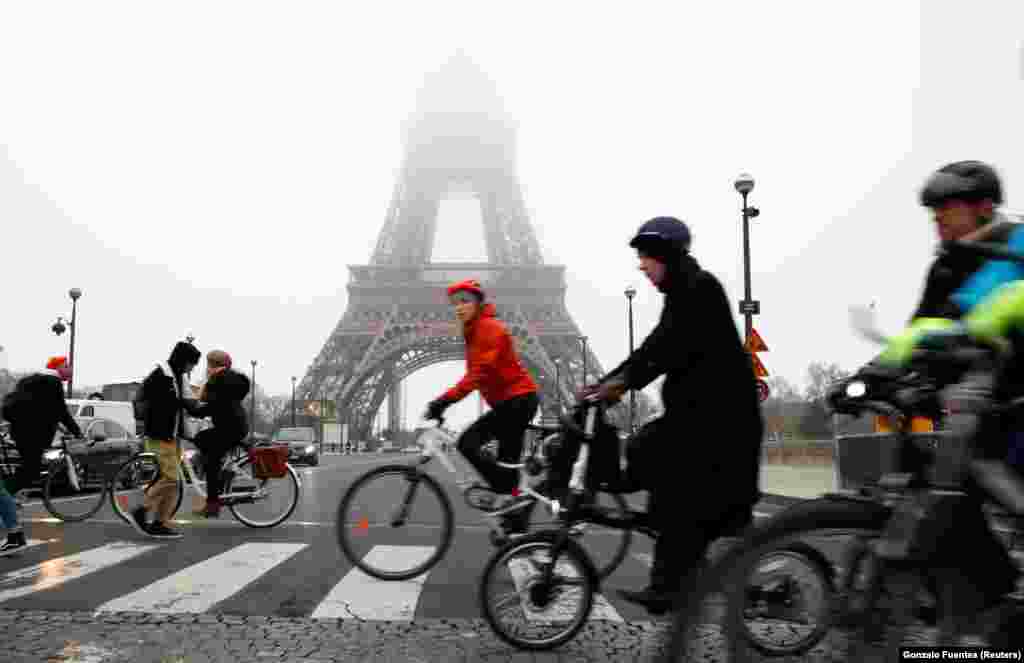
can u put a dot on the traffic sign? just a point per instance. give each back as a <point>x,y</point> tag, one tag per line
<point>763,391</point>
<point>759,369</point>
<point>751,306</point>
<point>755,343</point>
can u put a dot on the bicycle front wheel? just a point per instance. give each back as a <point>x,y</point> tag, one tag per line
<point>71,492</point>
<point>528,612</point>
<point>382,502</point>
<point>134,481</point>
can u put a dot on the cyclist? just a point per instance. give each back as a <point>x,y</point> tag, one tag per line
<point>701,459</point>
<point>34,410</point>
<point>221,399</point>
<point>493,368</point>
<point>160,398</point>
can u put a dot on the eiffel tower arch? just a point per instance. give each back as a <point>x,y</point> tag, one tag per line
<point>398,319</point>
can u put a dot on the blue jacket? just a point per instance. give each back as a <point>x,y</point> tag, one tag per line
<point>992,275</point>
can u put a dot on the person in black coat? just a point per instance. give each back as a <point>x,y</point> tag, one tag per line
<point>37,406</point>
<point>221,400</point>
<point>161,398</point>
<point>701,460</point>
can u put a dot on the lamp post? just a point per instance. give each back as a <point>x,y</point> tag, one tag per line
<point>252,403</point>
<point>630,294</point>
<point>749,308</point>
<point>293,401</point>
<point>583,339</point>
<point>58,329</point>
<point>558,383</point>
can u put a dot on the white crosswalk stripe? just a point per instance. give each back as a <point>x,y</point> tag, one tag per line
<point>59,570</point>
<point>360,596</point>
<point>199,587</point>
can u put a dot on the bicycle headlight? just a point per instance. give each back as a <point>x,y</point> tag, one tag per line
<point>52,454</point>
<point>310,449</point>
<point>856,389</point>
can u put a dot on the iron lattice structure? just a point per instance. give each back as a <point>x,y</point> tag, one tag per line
<point>398,319</point>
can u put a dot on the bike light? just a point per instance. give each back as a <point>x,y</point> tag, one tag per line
<point>310,449</point>
<point>856,389</point>
<point>52,454</point>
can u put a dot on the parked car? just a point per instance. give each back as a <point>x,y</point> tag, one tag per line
<point>113,445</point>
<point>122,412</point>
<point>302,444</point>
<point>411,449</point>
<point>387,447</point>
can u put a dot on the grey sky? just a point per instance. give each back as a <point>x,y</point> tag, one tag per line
<point>212,168</point>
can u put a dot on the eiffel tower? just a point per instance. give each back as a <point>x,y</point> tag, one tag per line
<point>398,319</point>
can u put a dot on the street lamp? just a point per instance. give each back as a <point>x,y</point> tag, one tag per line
<point>558,383</point>
<point>58,328</point>
<point>630,294</point>
<point>583,339</point>
<point>749,308</point>
<point>293,401</point>
<point>252,403</point>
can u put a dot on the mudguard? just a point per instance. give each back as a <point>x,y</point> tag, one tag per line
<point>831,511</point>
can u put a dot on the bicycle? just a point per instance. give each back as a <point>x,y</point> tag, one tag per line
<point>891,584</point>
<point>80,476</point>
<point>250,472</point>
<point>354,521</point>
<point>546,564</point>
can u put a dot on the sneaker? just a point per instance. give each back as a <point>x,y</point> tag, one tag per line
<point>160,531</point>
<point>137,519</point>
<point>15,541</point>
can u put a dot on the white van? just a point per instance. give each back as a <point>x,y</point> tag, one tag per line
<point>120,411</point>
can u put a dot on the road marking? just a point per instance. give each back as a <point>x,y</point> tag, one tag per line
<point>360,596</point>
<point>522,571</point>
<point>57,571</point>
<point>200,586</point>
<point>29,543</point>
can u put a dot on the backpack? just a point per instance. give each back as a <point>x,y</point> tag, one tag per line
<point>602,465</point>
<point>13,405</point>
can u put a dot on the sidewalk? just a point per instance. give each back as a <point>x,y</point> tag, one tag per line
<point>803,481</point>
<point>79,637</point>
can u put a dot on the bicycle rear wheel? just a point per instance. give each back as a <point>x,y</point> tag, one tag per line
<point>383,500</point>
<point>259,503</point>
<point>134,481</point>
<point>84,494</point>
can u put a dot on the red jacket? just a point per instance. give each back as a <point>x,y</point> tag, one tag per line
<point>491,363</point>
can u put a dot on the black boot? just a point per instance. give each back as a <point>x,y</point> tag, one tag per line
<point>15,541</point>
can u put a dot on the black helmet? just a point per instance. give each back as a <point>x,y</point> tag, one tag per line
<point>663,237</point>
<point>970,181</point>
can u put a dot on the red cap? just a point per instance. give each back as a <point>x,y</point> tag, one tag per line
<point>472,285</point>
<point>56,362</point>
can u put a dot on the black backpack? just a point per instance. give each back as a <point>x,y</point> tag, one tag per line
<point>13,405</point>
<point>602,465</point>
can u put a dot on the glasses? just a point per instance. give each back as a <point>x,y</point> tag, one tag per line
<point>462,298</point>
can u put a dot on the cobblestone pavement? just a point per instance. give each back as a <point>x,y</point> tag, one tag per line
<point>81,637</point>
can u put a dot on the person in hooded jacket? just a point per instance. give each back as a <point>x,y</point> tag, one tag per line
<point>161,398</point>
<point>221,400</point>
<point>493,367</point>
<point>35,408</point>
<point>701,459</point>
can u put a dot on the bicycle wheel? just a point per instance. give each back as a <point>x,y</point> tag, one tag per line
<point>385,499</point>
<point>133,482</point>
<point>259,503</point>
<point>84,499</point>
<point>521,608</point>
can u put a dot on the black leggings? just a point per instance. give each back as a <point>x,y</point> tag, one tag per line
<point>214,447</point>
<point>507,423</point>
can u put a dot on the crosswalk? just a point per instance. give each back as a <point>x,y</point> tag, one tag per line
<point>232,578</point>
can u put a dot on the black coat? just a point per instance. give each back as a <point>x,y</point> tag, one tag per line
<point>40,407</point>
<point>710,392</point>
<point>224,395</point>
<point>161,403</point>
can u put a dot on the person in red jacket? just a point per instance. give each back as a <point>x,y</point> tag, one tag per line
<point>493,368</point>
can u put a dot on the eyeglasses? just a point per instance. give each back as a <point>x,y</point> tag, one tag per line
<point>462,298</point>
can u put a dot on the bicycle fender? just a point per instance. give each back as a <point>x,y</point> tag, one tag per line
<point>829,512</point>
<point>549,536</point>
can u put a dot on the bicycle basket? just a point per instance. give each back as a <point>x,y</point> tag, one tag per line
<point>269,462</point>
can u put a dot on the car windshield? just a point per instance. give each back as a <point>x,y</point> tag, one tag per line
<point>295,435</point>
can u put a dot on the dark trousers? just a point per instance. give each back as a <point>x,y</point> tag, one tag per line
<point>688,517</point>
<point>214,446</point>
<point>507,423</point>
<point>32,444</point>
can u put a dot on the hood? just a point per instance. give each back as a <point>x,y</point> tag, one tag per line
<point>183,353</point>
<point>680,274</point>
<point>486,311</point>
<point>234,383</point>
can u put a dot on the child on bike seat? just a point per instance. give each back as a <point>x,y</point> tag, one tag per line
<point>493,368</point>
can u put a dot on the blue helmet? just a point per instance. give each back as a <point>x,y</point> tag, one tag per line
<point>663,238</point>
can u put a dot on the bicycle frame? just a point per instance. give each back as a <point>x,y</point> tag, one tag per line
<point>188,475</point>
